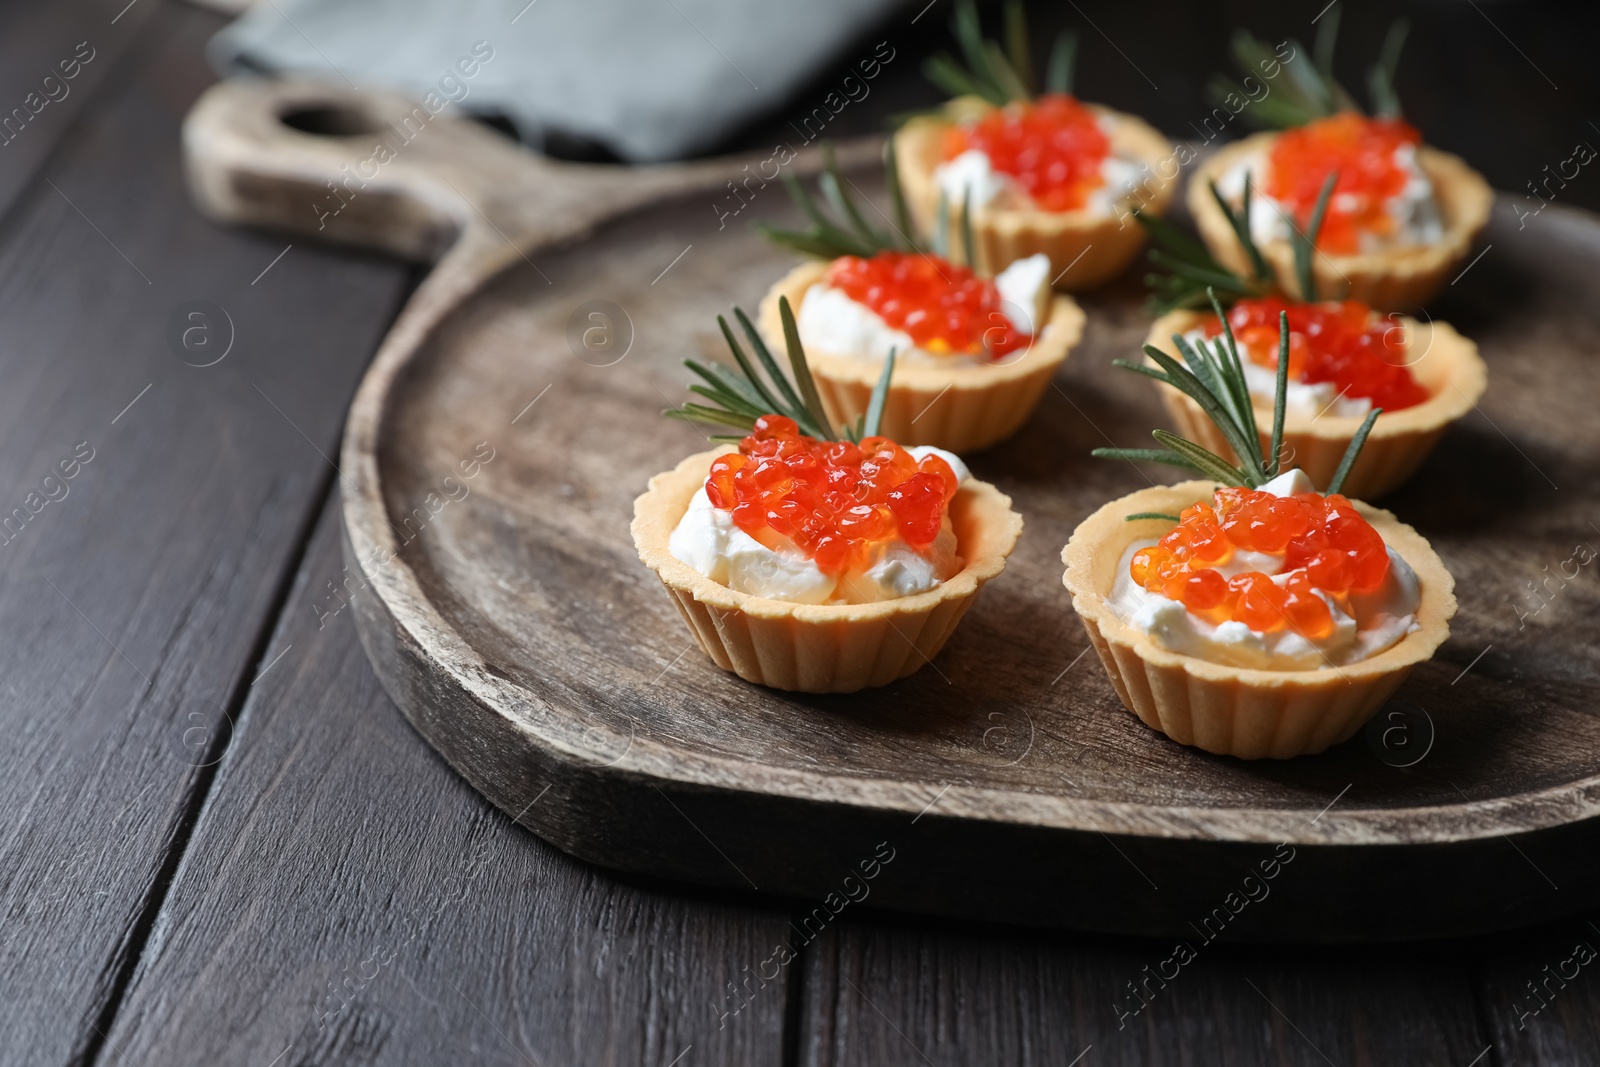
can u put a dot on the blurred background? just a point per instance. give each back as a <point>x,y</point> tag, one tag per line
<point>1510,86</point>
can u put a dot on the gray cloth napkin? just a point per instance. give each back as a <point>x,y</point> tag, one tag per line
<point>647,79</point>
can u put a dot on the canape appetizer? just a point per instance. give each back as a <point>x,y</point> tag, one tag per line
<point>813,556</point>
<point>1038,173</point>
<point>1344,360</point>
<point>1402,217</point>
<point>1246,613</point>
<point>974,354</point>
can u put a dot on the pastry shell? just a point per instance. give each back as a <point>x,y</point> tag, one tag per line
<point>959,408</point>
<point>1085,247</point>
<point>1237,711</point>
<point>821,648</point>
<point>1396,280</point>
<point>1448,367</point>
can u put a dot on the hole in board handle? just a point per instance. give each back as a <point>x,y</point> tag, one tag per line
<point>328,120</point>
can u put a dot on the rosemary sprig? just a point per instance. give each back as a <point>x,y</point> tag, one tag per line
<point>1310,92</point>
<point>842,229</point>
<point>1214,379</point>
<point>1018,54</point>
<point>968,248</point>
<point>1240,222</point>
<point>1059,75</point>
<point>1000,75</point>
<point>897,198</point>
<point>1280,391</point>
<point>1305,244</point>
<point>837,227</point>
<point>1351,453</point>
<point>1191,272</point>
<point>739,398</point>
<point>1380,77</point>
<point>1187,271</point>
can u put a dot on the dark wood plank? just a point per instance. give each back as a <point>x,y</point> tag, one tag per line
<point>135,606</point>
<point>338,847</point>
<point>53,57</point>
<point>1540,993</point>
<point>900,994</point>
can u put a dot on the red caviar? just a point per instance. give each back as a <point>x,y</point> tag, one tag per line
<point>945,308</point>
<point>1362,150</point>
<point>1051,147</point>
<point>834,500</point>
<point>1326,544</point>
<point>1340,342</point>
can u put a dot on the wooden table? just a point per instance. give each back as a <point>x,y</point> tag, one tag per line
<point>226,846</point>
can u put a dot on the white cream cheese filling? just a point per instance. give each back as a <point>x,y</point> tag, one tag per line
<point>1414,208</point>
<point>971,178</point>
<point>831,321</point>
<point>1364,624</point>
<point>1311,399</point>
<point>707,539</point>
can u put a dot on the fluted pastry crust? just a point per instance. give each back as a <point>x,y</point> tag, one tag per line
<point>1442,361</point>
<point>821,648</point>
<point>958,408</point>
<point>1238,711</point>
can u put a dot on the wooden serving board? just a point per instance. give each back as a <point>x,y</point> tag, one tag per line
<point>491,460</point>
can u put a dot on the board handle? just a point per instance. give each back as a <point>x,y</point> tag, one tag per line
<point>375,169</point>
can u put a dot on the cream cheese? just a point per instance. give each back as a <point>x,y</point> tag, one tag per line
<point>971,179</point>
<point>1025,292</point>
<point>1415,208</point>
<point>707,539</point>
<point>1364,624</point>
<point>831,321</point>
<point>1310,399</point>
<point>1119,179</point>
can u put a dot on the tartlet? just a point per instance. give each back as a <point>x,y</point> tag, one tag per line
<point>1380,163</point>
<point>1395,280</point>
<point>1285,616</point>
<point>1085,247</point>
<point>1449,368</point>
<point>814,556</point>
<point>975,354</point>
<point>962,408</point>
<point>821,648</point>
<point>1237,711</point>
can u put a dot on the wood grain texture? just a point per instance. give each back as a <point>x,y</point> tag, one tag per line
<point>81,38</point>
<point>528,645</point>
<point>1540,993</point>
<point>338,849</point>
<point>897,993</point>
<point>133,605</point>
